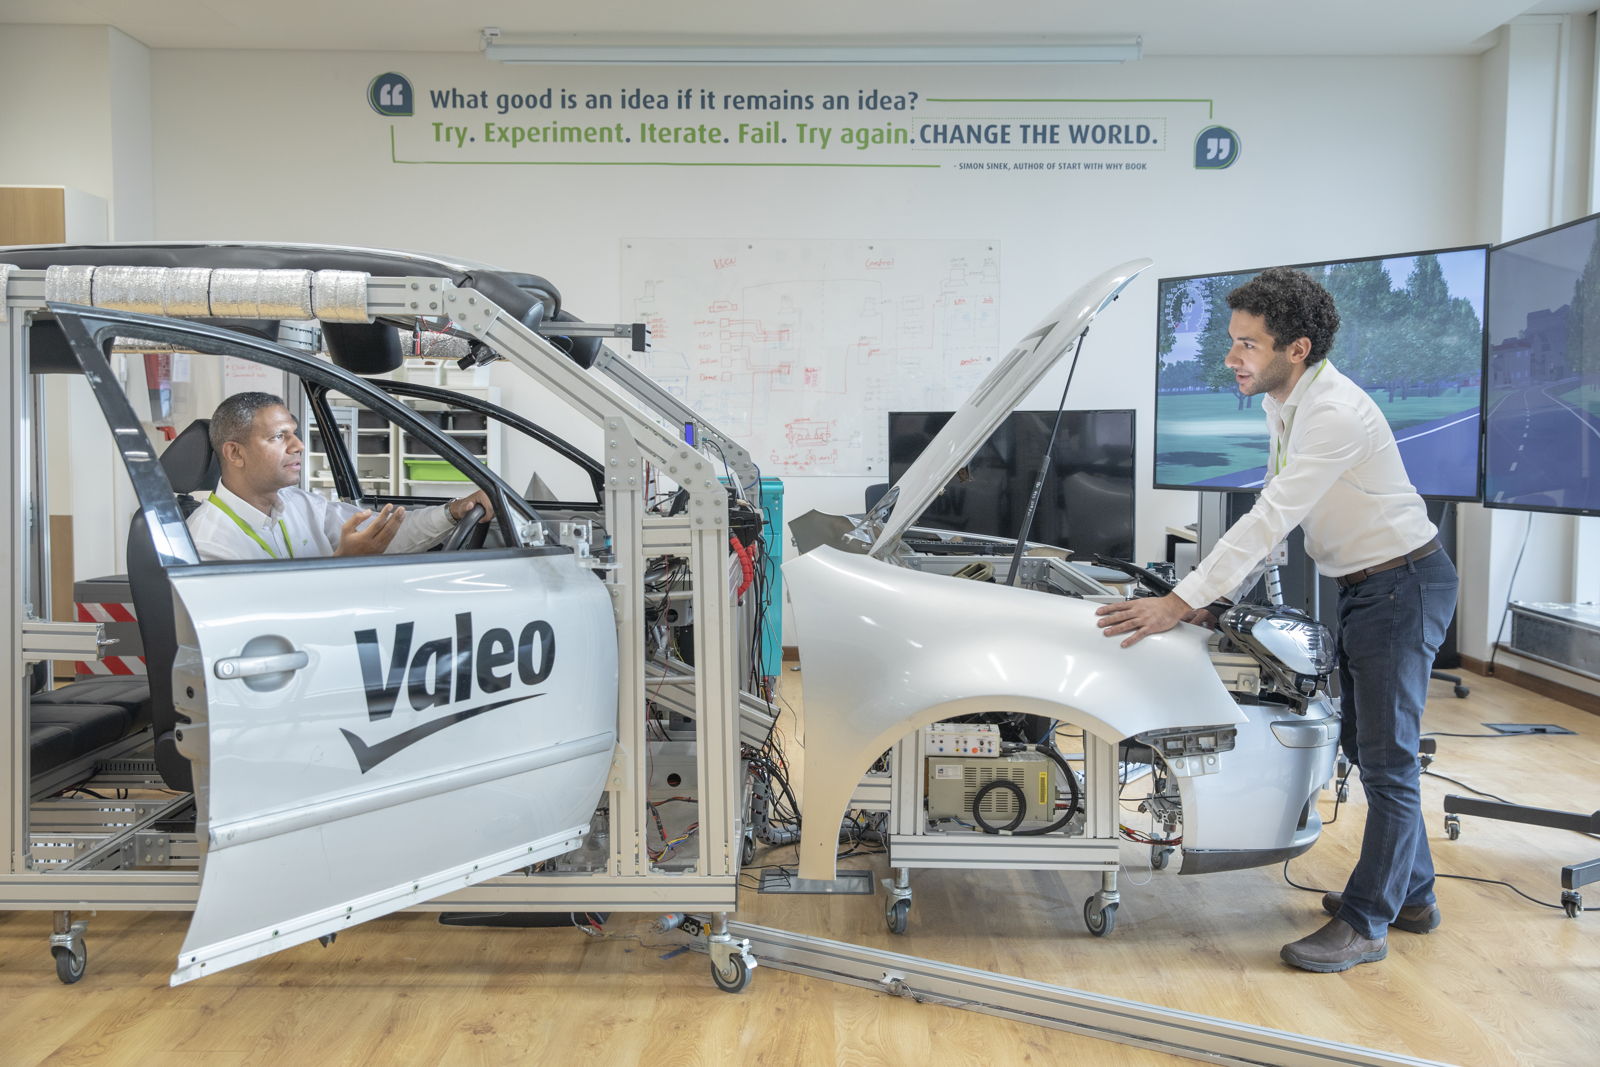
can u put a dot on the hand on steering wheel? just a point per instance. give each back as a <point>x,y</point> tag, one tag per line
<point>464,529</point>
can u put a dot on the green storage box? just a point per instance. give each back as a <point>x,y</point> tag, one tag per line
<point>433,470</point>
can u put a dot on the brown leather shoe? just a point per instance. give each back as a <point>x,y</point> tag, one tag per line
<point>1335,947</point>
<point>1417,920</point>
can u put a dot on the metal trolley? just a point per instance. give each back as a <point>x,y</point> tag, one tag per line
<point>1089,842</point>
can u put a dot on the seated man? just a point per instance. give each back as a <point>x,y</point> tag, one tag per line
<point>259,511</point>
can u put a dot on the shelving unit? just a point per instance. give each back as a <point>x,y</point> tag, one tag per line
<point>385,456</point>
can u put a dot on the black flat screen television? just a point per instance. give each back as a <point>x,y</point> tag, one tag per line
<point>1542,382</point>
<point>1087,503</point>
<point>1411,333</point>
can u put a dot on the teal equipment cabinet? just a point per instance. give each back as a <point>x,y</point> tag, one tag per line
<point>772,579</point>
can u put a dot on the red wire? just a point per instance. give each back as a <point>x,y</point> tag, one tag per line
<point>747,567</point>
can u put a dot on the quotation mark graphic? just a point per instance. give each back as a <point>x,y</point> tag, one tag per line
<point>1216,147</point>
<point>390,94</point>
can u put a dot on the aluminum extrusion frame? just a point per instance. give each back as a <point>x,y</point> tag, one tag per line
<point>1128,1022</point>
<point>634,415</point>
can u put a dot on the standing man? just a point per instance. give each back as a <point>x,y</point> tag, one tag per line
<point>260,512</point>
<point>1334,470</point>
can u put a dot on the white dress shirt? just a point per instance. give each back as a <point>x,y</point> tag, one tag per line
<point>1333,469</point>
<point>311,523</point>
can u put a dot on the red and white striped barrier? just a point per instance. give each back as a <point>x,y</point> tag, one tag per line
<point>109,665</point>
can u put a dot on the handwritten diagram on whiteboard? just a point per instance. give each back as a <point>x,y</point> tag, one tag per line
<point>797,349</point>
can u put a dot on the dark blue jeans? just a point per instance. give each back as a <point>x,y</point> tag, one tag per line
<point>1390,626</point>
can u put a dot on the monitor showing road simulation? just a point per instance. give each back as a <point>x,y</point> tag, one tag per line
<point>1542,374</point>
<point>1410,333</point>
<point>1087,503</point>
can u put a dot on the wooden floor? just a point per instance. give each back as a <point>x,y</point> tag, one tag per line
<point>1502,982</point>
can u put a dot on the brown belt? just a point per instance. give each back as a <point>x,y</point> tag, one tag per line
<point>1424,552</point>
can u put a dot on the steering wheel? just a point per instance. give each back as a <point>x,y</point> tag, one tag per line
<point>466,527</point>
<point>1143,575</point>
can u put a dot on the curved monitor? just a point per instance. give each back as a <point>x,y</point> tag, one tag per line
<point>1542,388</point>
<point>1411,333</point>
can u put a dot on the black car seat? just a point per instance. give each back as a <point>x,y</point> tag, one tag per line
<point>191,466</point>
<point>77,718</point>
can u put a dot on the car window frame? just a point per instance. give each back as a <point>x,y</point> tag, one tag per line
<point>90,332</point>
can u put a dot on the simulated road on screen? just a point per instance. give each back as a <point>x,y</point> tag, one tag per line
<point>1542,451</point>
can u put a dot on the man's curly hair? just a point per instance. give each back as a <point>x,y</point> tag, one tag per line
<point>1293,306</point>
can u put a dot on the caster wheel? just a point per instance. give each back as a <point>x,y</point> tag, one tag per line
<point>747,853</point>
<point>1571,903</point>
<point>898,916</point>
<point>1343,792</point>
<point>1452,827</point>
<point>1158,857</point>
<point>1100,920</point>
<point>734,978</point>
<point>1461,692</point>
<point>70,966</point>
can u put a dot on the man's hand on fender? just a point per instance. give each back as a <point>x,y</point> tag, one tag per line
<point>1142,616</point>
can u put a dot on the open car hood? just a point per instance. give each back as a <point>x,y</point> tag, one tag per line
<point>1005,386</point>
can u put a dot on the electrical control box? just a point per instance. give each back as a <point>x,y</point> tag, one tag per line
<point>961,739</point>
<point>954,783</point>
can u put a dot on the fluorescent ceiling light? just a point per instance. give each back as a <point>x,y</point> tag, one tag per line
<point>835,52</point>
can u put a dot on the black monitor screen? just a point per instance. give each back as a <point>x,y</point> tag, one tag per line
<point>1542,434</point>
<point>1087,503</point>
<point>1410,333</point>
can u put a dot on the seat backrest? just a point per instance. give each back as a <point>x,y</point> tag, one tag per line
<point>191,466</point>
<point>190,463</point>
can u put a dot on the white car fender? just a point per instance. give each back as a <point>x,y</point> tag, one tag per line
<point>888,650</point>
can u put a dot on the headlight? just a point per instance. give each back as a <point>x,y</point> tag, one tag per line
<point>1291,644</point>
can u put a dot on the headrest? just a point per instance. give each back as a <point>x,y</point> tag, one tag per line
<point>189,462</point>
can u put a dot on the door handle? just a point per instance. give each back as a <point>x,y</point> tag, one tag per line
<point>256,666</point>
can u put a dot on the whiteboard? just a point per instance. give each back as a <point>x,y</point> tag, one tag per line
<point>797,349</point>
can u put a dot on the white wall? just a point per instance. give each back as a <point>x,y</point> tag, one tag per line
<point>1535,163</point>
<point>1341,157</point>
<point>78,115</point>
<point>132,173</point>
<point>62,134</point>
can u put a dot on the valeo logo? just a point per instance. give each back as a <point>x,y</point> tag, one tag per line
<point>390,94</point>
<point>1216,147</point>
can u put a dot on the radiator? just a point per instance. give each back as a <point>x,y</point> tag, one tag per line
<point>1562,635</point>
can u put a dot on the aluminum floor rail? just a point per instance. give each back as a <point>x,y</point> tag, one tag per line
<point>1178,1033</point>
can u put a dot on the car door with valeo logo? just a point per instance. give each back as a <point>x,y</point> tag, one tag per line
<point>366,734</point>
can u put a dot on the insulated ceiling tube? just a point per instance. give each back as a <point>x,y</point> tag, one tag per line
<point>224,292</point>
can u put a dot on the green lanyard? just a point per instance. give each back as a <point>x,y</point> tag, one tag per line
<point>250,532</point>
<point>1279,461</point>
